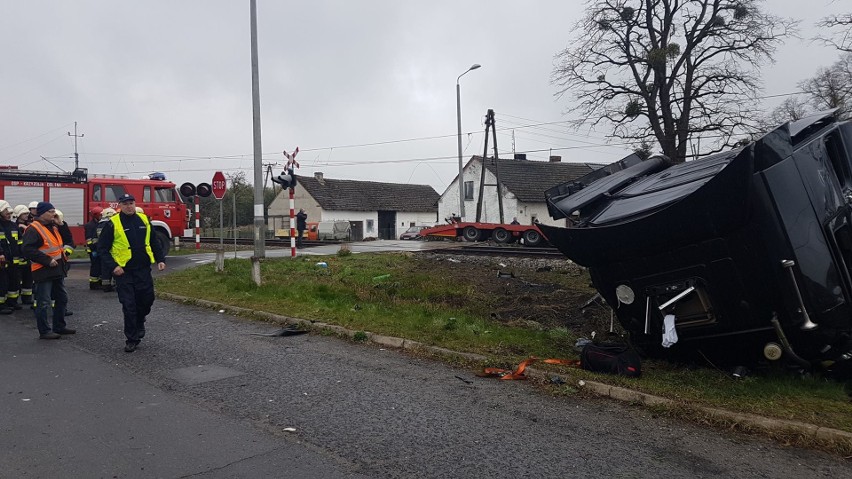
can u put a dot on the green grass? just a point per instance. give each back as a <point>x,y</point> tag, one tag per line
<point>407,296</point>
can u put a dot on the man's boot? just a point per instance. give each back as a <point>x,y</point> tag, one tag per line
<point>94,284</point>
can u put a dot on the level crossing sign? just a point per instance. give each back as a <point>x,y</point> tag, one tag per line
<point>219,185</point>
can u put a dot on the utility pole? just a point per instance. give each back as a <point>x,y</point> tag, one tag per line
<point>259,226</point>
<point>76,156</point>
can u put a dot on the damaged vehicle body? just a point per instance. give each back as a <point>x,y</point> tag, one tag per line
<point>743,253</point>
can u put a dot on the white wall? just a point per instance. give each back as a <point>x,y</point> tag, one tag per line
<point>525,212</point>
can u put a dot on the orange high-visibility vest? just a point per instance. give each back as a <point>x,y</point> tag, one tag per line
<point>51,244</point>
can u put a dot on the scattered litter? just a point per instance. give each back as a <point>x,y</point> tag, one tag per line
<point>286,331</point>
<point>501,274</point>
<point>581,383</point>
<point>466,381</point>
<point>381,349</point>
<point>502,265</point>
<point>740,372</point>
<point>289,429</point>
<point>25,399</point>
<point>99,324</point>
<point>322,264</point>
<point>453,260</point>
<point>221,310</point>
<point>581,343</point>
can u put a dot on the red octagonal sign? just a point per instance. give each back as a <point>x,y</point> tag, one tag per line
<point>219,185</point>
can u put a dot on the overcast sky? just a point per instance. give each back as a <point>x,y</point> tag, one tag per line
<point>165,85</point>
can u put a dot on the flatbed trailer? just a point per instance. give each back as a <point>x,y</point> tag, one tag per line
<point>499,232</point>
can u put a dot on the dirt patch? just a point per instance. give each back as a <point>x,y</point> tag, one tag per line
<point>530,293</point>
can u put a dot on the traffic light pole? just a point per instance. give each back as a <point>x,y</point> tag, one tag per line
<point>197,223</point>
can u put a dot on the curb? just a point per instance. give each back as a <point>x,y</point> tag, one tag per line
<point>753,421</point>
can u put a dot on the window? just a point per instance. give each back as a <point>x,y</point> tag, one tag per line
<point>468,190</point>
<point>113,192</point>
<point>96,193</point>
<point>369,226</point>
<point>146,194</point>
<point>164,195</point>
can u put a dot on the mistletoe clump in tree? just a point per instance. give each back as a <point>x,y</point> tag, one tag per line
<point>674,70</point>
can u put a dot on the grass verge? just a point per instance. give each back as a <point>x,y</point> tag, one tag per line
<point>442,305</point>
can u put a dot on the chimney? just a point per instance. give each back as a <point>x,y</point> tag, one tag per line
<point>555,159</point>
<point>520,156</point>
<point>318,175</point>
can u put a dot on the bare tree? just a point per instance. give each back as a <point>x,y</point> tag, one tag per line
<point>831,87</point>
<point>792,109</point>
<point>675,70</point>
<point>841,37</point>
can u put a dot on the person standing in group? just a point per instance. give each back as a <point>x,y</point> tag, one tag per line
<point>126,249</point>
<point>9,250</point>
<point>22,264</point>
<point>43,247</point>
<point>91,231</point>
<point>301,226</point>
<point>107,283</point>
<point>33,206</point>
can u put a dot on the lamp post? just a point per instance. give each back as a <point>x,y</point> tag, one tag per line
<point>458,118</point>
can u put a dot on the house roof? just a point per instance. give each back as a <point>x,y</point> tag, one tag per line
<point>356,195</point>
<point>528,180</point>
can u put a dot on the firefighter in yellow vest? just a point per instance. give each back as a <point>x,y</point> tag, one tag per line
<point>126,249</point>
<point>43,246</point>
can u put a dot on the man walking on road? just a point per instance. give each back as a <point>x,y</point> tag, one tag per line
<point>42,245</point>
<point>301,226</point>
<point>126,249</point>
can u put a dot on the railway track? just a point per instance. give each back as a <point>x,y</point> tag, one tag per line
<point>269,242</point>
<point>516,251</point>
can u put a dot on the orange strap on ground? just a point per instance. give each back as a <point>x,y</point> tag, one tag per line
<point>518,373</point>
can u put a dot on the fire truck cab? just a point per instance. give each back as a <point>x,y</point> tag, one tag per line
<point>77,193</point>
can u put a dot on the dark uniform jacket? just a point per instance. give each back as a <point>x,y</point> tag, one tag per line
<point>134,228</point>
<point>30,250</point>
<point>9,245</point>
<point>301,221</point>
<point>65,233</point>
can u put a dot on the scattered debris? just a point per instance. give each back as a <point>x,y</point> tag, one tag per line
<point>285,331</point>
<point>289,429</point>
<point>322,264</point>
<point>501,274</point>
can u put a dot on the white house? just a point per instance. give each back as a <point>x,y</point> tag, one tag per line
<point>522,185</point>
<point>373,209</point>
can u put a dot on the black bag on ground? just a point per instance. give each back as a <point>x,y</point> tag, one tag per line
<point>611,359</point>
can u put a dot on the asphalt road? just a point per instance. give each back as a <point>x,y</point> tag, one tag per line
<point>204,397</point>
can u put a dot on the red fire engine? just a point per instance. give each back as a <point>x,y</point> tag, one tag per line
<point>75,194</point>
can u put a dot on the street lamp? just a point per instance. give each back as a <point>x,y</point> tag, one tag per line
<point>458,117</point>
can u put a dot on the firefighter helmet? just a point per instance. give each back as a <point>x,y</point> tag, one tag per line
<point>20,210</point>
<point>59,215</point>
<point>107,213</point>
<point>4,205</point>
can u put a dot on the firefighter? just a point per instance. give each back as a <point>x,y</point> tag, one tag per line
<point>91,230</point>
<point>24,218</point>
<point>107,284</point>
<point>126,247</point>
<point>64,232</point>
<point>8,251</point>
<point>33,206</point>
<point>43,246</point>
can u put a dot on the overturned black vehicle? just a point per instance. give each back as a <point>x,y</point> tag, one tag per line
<point>742,254</point>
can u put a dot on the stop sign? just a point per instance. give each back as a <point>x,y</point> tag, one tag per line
<point>219,185</point>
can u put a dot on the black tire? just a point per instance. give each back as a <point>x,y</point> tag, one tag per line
<point>501,236</point>
<point>470,233</point>
<point>163,240</point>
<point>532,238</point>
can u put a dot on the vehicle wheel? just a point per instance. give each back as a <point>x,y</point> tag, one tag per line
<point>163,240</point>
<point>501,236</point>
<point>532,238</point>
<point>470,233</point>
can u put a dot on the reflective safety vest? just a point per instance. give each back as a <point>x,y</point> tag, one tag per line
<point>51,244</point>
<point>120,250</point>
